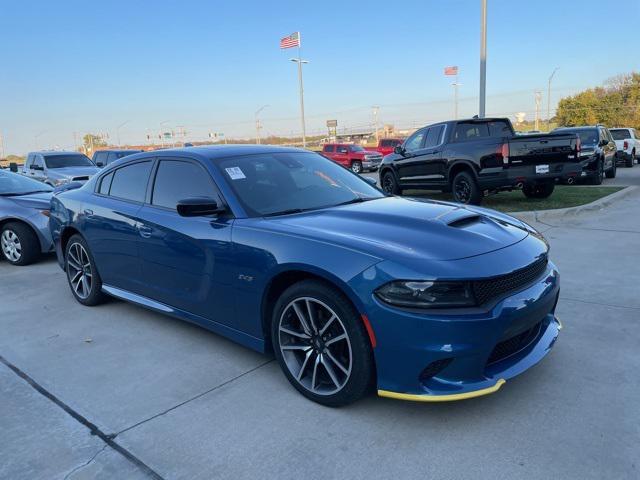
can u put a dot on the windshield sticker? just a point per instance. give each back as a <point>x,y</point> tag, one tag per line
<point>235,173</point>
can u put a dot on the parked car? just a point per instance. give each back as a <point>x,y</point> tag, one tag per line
<point>102,158</point>
<point>475,156</point>
<point>627,144</point>
<point>24,218</point>
<point>282,250</point>
<point>58,168</point>
<point>355,157</point>
<point>597,152</point>
<point>386,145</point>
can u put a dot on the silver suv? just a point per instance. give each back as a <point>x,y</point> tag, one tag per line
<point>58,168</point>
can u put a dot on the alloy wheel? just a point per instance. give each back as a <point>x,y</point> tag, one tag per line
<point>387,184</point>
<point>79,270</point>
<point>356,167</point>
<point>462,190</point>
<point>11,246</point>
<point>315,346</point>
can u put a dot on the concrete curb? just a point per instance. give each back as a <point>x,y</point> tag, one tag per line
<point>546,215</point>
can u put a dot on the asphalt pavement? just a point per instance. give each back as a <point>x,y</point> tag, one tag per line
<point>117,391</point>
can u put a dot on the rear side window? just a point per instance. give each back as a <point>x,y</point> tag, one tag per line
<point>621,134</point>
<point>470,131</point>
<point>341,149</point>
<point>328,148</point>
<point>105,184</point>
<point>99,158</point>
<point>177,180</point>
<point>434,136</point>
<point>499,129</point>
<point>130,182</point>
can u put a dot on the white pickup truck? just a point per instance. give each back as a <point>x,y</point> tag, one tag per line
<point>627,144</point>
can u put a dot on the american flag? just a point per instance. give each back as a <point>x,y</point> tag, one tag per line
<point>291,41</point>
<point>451,70</point>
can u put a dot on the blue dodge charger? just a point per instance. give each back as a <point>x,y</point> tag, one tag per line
<point>283,250</point>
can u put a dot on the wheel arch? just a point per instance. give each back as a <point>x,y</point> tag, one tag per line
<point>65,234</point>
<point>22,221</point>
<point>460,166</point>
<point>289,276</point>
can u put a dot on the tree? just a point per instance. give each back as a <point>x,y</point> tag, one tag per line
<point>615,104</point>
<point>91,141</point>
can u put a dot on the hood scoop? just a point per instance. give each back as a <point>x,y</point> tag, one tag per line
<point>465,221</point>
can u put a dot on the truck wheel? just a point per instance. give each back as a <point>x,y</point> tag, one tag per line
<point>465,189</point>
<point>389,184</point>
<point>611,173</point>
<point>629,163</point>
<point>538,190</point>
<point>598,177</point>
<point>356,166</point>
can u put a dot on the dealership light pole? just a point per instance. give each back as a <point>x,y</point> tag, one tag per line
<point>299,61</point>
<point>375,119</point>
<point>549,97</point>
<point>483,58</point>
<point>118,130</point>
<point>258,126</point>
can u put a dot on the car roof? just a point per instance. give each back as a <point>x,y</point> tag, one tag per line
<point>118,150</point>
<point>582,127</point>
<point>55,152</point>
<point>213,152</point>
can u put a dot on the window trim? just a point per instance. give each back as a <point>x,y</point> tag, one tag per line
<point>152,183</point>
<point>442,136</point>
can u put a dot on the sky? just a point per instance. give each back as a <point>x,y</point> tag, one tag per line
<point>207,66</point>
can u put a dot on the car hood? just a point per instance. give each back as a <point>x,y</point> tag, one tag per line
<point>412,229</point>
<point>34,200</point>
<point>70,172</point>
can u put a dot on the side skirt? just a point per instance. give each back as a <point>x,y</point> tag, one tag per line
<point>242,338</point>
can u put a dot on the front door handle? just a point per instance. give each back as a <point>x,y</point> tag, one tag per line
<point>144,231</point>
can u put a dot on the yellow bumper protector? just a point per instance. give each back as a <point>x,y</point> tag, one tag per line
<point>443,398</point>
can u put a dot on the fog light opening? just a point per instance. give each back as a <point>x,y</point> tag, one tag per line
<point>433,369</point>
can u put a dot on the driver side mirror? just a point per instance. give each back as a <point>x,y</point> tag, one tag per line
<point>99,164</point>
<point>37,167</point>
<point>604,143</point>
<point>199,207</point>
<point>399,150</point>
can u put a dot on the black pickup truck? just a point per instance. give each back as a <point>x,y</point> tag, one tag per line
<point>478,156</point>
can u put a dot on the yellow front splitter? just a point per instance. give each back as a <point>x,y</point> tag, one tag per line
<point>443,398</point>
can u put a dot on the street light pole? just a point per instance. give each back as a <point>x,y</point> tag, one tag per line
<point>455,84</point>
<point>118,130</point>
<point>483,58</point>
<point>258,126</point>
<point>375,119</point>
<point>549,97</point>
<point>299,61</point>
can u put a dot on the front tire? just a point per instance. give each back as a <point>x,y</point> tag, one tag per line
<point>19,244</point>
<point>390,184</point>
<point>629,163</point>
<point>611,173</point>
<point>465,189</point>
<point>538,190</point>
<point>82,275</point>
<point>321,344</point>
<point>356,166</point>
<point>598,177</point>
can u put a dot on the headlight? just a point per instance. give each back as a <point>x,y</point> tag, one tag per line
<point>414,294</point>
<point>61,181</point>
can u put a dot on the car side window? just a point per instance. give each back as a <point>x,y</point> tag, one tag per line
<point>130,182</point>
<point>341,149</point>
<point>433,137</point>
<point>112,157</point>
<point>470,131</point>
<point>499,128</point>
<point>328,148</point>
<point>37,160</point>
<point>105,184</point>
<point>99,158</point>
<point>416,140</point>
<point>177,180</point>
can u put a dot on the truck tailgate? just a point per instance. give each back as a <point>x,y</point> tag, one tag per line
<point>543,149</point>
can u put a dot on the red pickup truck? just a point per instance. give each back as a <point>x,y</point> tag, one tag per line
<point>354,157</point>
<point>386,145</point>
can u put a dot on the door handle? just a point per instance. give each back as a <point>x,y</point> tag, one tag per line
<point>144,231</point>
<point>88,212</point>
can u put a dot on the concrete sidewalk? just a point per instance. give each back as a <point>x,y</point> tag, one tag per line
<point>179,402</point>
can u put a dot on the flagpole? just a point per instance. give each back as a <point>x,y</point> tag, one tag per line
<point>304,132</point>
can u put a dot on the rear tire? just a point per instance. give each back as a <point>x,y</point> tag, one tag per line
<point>598,177</point>
<point>327,354</point>
<point>389,184</point>
<point>538,190</point>
<point>19,244</point>
<point>629,163</point>
<point>465,189</point>
<point>356,166</point>
<point>82,275</point>
<point>611,173</point>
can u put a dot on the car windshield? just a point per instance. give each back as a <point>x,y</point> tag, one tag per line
<point>62,161</point>
<point>587,137</point>
<point>14,184</point>
<point>278,183</point>
<point>620,134</point>
<point>356,148</point>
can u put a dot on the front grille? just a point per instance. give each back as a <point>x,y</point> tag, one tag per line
<point>514,344</point>
<point>490,288</point>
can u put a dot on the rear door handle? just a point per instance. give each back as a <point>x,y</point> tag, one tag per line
<point>144,231</point>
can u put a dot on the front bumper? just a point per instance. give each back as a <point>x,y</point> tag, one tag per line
<point>408,343</point>
<point>371,163</point>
